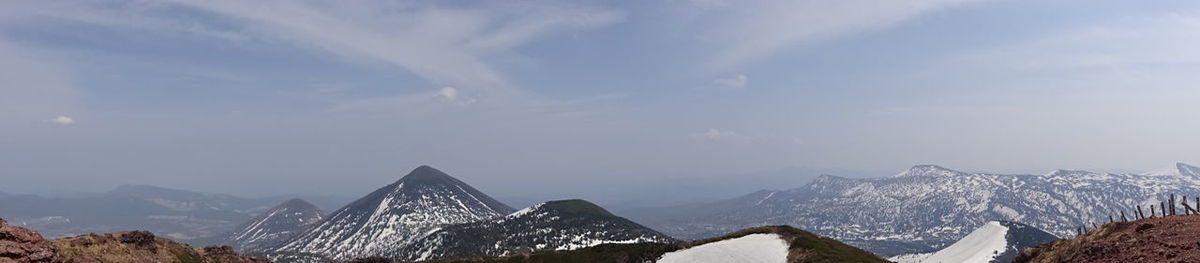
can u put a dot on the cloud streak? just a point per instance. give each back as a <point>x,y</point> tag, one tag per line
<point>444,46</point>
<point>62,120</point>
<point>735,82</point>
<point>752,30</point>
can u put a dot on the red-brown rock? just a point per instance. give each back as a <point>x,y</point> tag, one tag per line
<point>1159,239</point>
<point>20,245</point>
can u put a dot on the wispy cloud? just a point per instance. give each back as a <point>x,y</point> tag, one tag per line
<point>62,120</point>
<point>749,30</point>
<point>738,81</point>
<point>450,95</point>
<point>442,45</point>
<point>717,135</point>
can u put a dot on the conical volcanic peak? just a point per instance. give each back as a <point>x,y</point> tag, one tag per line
<point>427,174</point>
<point>391,217</point>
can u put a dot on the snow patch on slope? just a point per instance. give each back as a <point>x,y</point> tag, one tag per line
<point>981,246</point>
<point>754,248</point>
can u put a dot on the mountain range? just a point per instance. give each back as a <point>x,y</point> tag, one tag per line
<point>428,214</point>
<point>929,207</point>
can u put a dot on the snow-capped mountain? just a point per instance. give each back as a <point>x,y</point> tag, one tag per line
<point>928,207</point>
<point>274,227</point>
<point>394,216</point>
<point>994,242</point>
<point>554,225</point>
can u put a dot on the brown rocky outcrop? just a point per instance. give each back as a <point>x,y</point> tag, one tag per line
<point>141,246</point>
<point>225,254</point>
<point>1160,239</point>
<point>20,245</point>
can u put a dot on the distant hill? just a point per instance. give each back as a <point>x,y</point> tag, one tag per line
<point>274,227</point>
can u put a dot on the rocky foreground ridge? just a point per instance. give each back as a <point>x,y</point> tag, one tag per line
<point>20,245</point>
<point>1159,239</point>
<point>23,245</point>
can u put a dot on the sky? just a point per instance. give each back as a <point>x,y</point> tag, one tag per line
<point>526,98</point>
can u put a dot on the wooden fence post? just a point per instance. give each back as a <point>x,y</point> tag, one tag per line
<point>1140,215</point>
<point>1123,219</point>
<point>1183,201</point>
<point>1151,211</point>
<point>1172,204</point>
<point>1189,210</point>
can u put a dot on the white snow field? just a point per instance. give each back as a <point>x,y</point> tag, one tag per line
<point>981,246</point>
<point>753,248</point>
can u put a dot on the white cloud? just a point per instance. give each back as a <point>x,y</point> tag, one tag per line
<point>716,135</point>
<point>755,29</point>
<point>62,120</point>
<point>734,82</point>
<point>450,95</point>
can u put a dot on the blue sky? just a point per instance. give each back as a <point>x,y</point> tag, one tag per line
<point>335,97</point>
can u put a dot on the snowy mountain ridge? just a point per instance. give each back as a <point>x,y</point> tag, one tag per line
<point>929,207</point>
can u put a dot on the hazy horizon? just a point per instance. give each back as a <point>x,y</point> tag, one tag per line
<point>594,98</point>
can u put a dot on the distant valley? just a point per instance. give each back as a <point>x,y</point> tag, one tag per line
<point>185,216</point>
